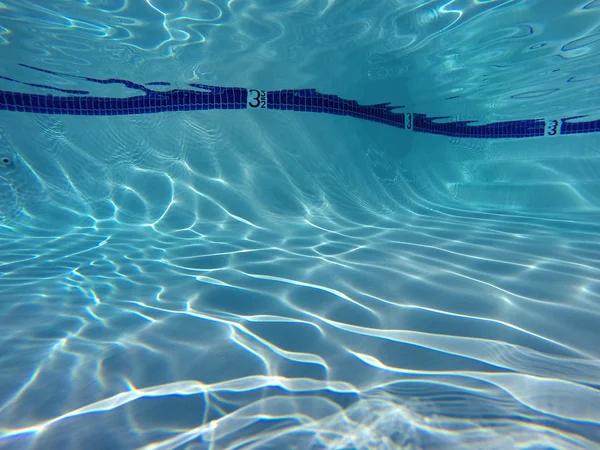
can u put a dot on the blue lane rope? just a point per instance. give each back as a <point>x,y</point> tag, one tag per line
<point>204,97</point>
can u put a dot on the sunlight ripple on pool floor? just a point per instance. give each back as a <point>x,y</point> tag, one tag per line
<point>184,300</point>
<point>282,280</point>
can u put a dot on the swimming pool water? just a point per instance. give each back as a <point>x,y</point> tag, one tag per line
<point>282,279</point>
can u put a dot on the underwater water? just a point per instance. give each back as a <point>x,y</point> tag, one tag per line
<point>274,279</point>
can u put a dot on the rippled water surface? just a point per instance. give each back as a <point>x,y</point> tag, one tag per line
<point>280,280</point>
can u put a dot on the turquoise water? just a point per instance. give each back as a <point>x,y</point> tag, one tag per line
<point>278,280</point>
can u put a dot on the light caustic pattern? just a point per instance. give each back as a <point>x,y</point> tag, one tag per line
<point>210,295</point>
<point>220,280</point>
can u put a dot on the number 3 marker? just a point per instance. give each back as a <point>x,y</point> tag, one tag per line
<point>257,99</point>
<point>552,127</point>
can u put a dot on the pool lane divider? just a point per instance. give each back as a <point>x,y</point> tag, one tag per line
<point>206,97</point>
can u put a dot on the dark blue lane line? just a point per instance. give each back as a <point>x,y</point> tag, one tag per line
<point>65,91</point>
<point>464,129</point>
<point>205,97</point>
<point>579,127</point>
<point>128,84</point>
